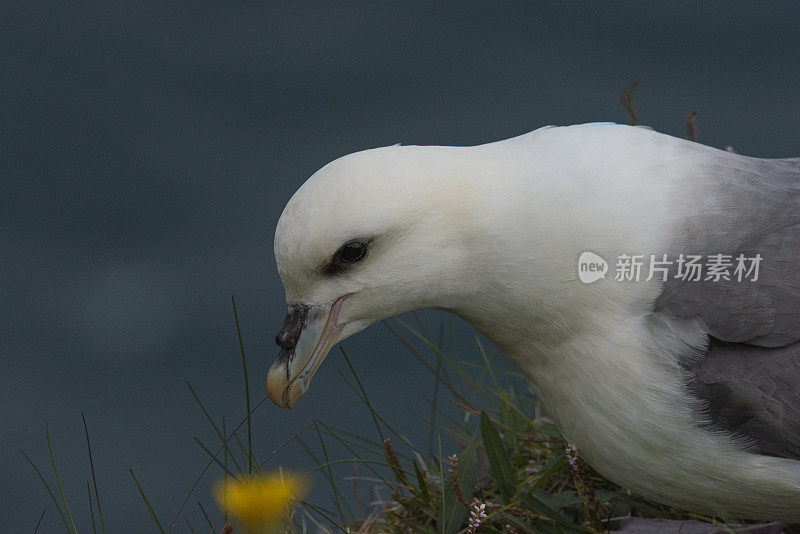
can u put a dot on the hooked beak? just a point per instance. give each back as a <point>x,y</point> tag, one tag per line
<point>307,334</point>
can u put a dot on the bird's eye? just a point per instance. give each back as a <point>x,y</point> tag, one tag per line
<point>353,252</point>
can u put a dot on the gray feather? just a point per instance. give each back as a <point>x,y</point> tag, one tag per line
<point>755,209</point>
<point>753,392</point>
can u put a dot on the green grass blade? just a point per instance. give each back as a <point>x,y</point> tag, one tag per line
<point>640,505</point>
<point>215,459</point>
<point>548,470</point>
<point>94,480</point>
<point>541,502</point>
<point>414,352</point>
<point>58,481</point>
<point>352,450</point>
<point>379,417</point>
<point>246,390</point>
<point>420,323</point>
<point>498,457</point>
<point>91,508</point>
<point>364,396</point>
<point>225,471</point>
<point>351,461</point>
<point>435,399</point>
<point>455,514</point>
<point>147,504</point>
<point>519,524</point>
<point>324,514</point>
<point>206,516</point>
<point>443,522</point>
<point>210,463</point>
<point>47,487</point>
<point>422,482</point>
<point>376,416</point>
<point>288,440</point>
<point>222,435</point>
<point>39,523</point>
<point>350,439</point>
<point>453,364</point>
<point>308,451</point>
<point>489,366</point>
<point>329,473</point>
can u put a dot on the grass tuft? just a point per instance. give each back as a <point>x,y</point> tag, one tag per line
<point>511,463</point>
<point>495,462</point>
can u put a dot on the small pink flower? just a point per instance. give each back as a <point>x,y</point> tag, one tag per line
<point>476,516</point>
<point>572,455</point>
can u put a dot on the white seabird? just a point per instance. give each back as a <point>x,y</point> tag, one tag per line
<point>686,391</point>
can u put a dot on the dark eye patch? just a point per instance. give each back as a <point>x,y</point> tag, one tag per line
<point>350,253</point>
<point>353,252</point>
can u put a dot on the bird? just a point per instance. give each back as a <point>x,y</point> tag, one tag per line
<point>684,389</point>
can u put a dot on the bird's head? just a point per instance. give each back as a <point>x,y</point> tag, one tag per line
<point>368,236</point>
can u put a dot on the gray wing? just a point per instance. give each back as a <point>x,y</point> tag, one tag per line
<point>749,378</point>
<point>753,392</point>
<point>755,209</point>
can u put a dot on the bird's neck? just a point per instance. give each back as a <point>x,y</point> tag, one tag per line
<point>539,211</point>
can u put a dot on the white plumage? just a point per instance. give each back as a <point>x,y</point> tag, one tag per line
<point>493,233</point>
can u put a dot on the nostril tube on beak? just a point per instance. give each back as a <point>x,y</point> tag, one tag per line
<point>286,340</point>
<point>292,327</point>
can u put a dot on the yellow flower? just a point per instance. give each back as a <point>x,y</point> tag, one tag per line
<point>262,502</point>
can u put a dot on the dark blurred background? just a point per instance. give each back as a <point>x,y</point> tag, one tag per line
<point>148,150</point>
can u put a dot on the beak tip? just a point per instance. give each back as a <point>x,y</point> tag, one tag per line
<point>283,394</point>
<point>276,384</point>
<point>278,400</point>
<point>292,393</point>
